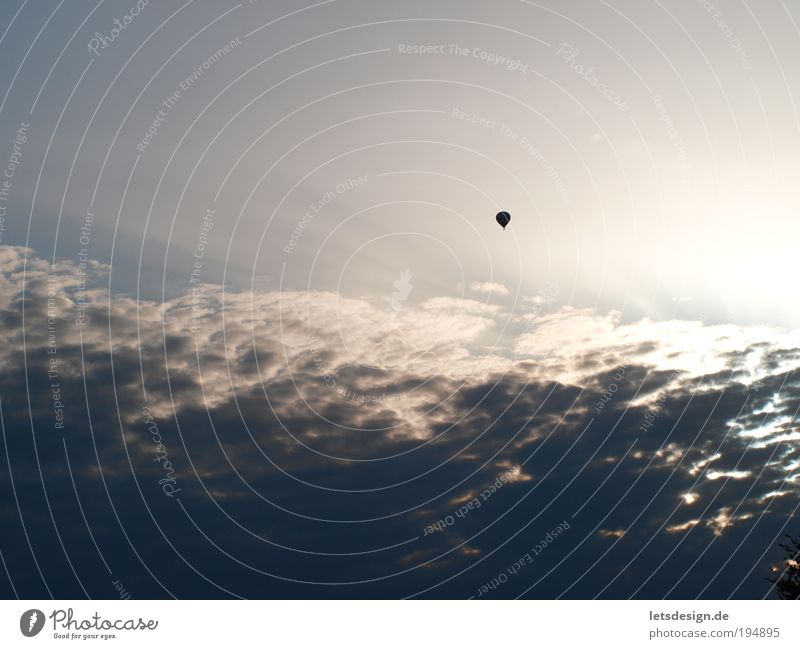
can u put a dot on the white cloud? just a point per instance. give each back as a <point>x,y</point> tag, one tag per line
<point>489,287</point>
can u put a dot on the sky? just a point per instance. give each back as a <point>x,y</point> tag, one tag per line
<point>262,336</point>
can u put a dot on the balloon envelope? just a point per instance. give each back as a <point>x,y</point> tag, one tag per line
<point>503,218</point>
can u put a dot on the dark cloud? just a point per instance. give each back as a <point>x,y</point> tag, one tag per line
<point>269,454</point>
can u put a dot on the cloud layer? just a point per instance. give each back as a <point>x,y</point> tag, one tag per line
<point>287,444</point>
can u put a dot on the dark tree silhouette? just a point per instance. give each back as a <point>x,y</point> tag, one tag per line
<point>787,581</point>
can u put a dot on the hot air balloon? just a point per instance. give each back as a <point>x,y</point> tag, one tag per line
<point>503,218</point>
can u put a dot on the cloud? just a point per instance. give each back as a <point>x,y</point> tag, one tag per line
<point>489,287</point>
<point>316,438</point>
